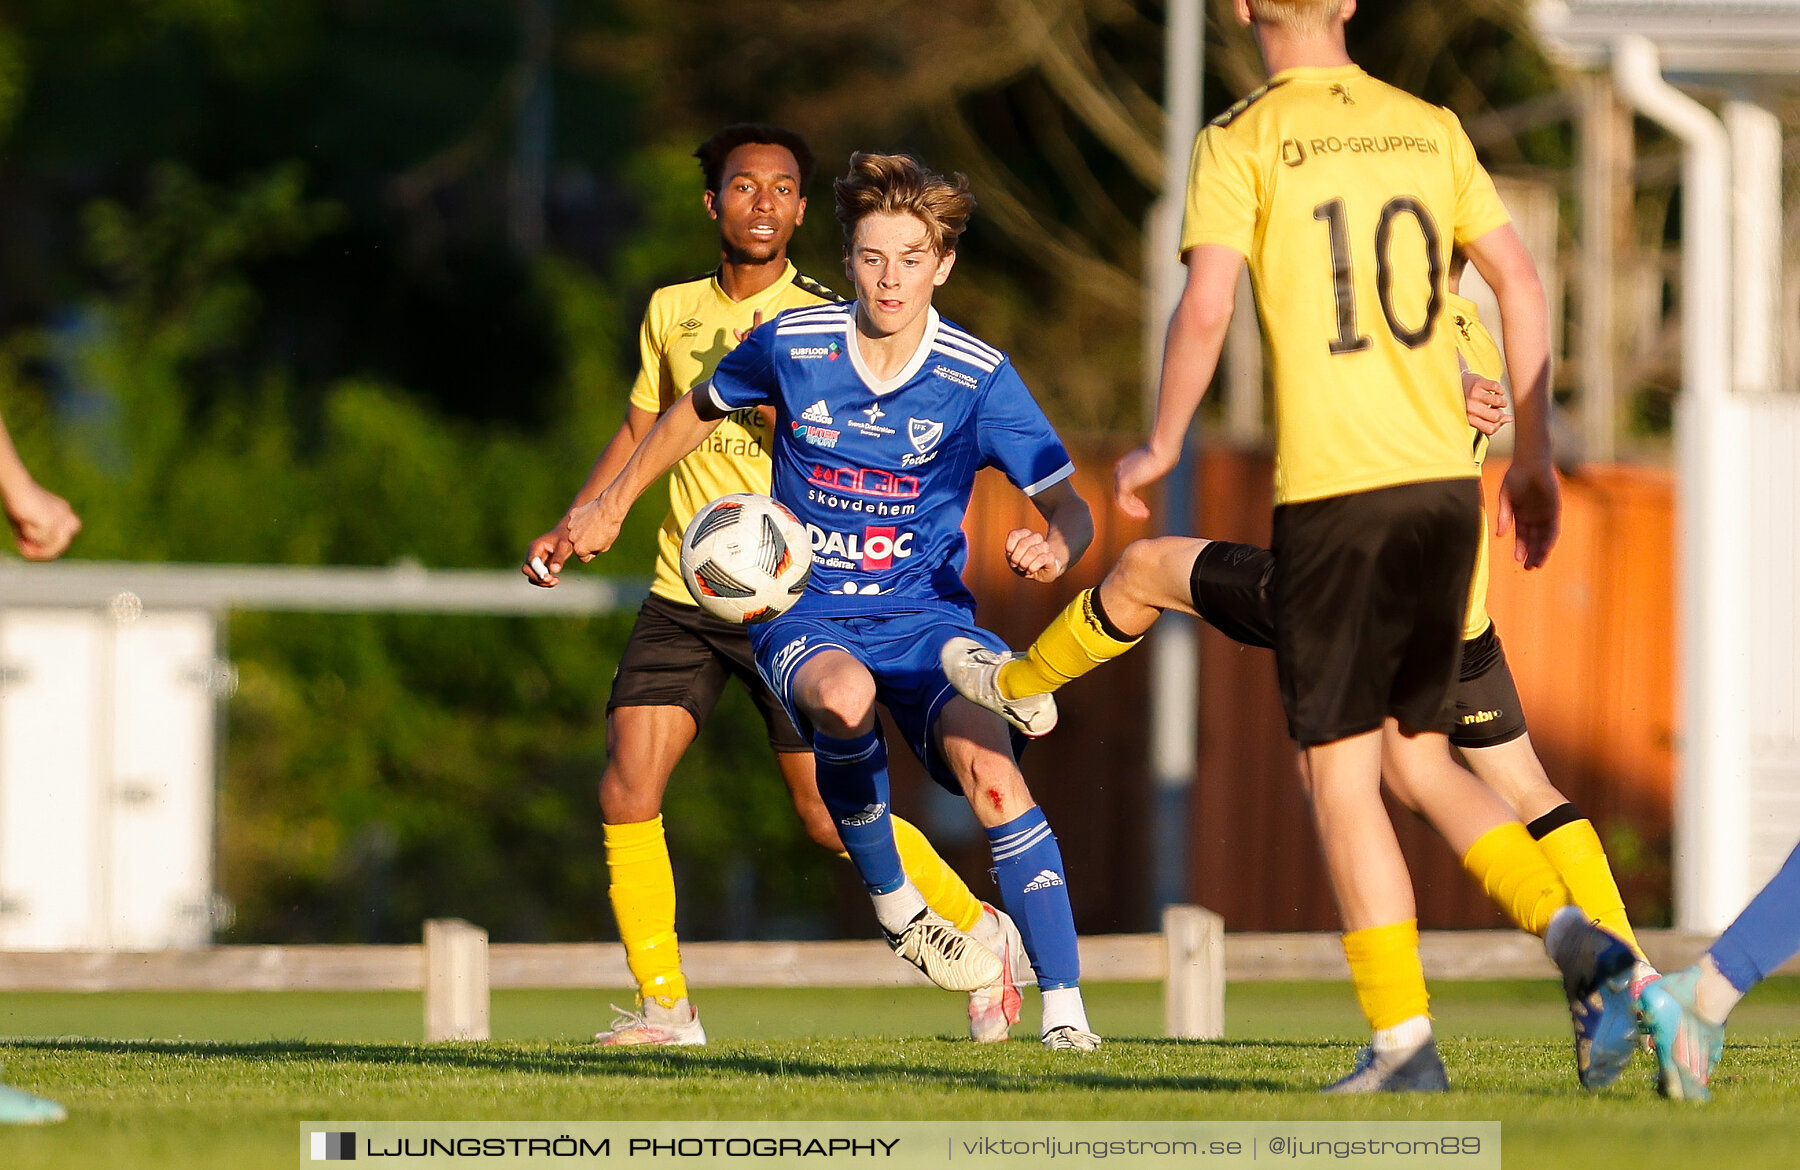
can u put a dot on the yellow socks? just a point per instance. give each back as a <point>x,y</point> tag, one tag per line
<point>1512,870</point>
<point>1384,966</point>
<point>1075,641</point>
<point>1575,850</point>
<point>937,883</point>
<point>643,901</point>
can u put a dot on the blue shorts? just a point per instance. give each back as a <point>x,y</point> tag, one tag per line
<point>901,650</point>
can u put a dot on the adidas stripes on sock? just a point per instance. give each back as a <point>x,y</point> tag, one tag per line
<point>853,783</point>
<point>1028,867</point>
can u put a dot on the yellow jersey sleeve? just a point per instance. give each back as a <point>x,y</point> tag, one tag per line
<point>1222,194</point>
<point>650,390</point>
<point>1478,206</point>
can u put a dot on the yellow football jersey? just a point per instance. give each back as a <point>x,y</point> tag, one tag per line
<point>1482,355</point>
<point>687,329</point>
<point>1345,195</point>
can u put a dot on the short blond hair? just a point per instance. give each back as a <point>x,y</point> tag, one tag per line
<point>1297,16</point>
<point>879,184</point>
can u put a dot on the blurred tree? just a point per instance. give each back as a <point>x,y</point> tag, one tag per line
<point>263,297</point>
<point>1052,109</point>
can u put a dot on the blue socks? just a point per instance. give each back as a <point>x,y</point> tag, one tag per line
<point>1029,869</point>
<point>1766,934</point>
<point>853,782</point>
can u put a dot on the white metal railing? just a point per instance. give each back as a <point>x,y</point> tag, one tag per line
<point>406,587</point>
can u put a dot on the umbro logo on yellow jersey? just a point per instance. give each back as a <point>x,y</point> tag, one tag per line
<point>692,324</point>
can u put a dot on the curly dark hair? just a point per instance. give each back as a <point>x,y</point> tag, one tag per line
<point>715,150</point>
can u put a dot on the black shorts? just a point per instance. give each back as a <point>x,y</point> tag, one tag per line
<point>1230,584</point>
<point>1370,591</point>
<point>1230,587</point>
<point>681,656</point>
<point>1488,711</point>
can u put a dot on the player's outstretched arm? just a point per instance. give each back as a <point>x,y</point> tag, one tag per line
<point>613,458</point>
<point>1190,355</point>
<point>43,523</point>
<point>1530,500</point>
<point>1047,555</point>
<point>590,529</point>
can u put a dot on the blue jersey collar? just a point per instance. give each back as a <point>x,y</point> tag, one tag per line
<point>907,372</point>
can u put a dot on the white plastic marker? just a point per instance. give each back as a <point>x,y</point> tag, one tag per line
<point>538,566</point>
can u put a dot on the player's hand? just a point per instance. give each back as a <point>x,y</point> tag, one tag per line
<point>1029,554</point>
<point>755,324</point>
<point>43,523</point>
<point>1486,403</point>
<point>538,557</point>
<point>1140,468</point>
<point>587,531</point>
<point>1531,507</point>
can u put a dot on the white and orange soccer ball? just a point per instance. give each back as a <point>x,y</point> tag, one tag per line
<point>745,558</point>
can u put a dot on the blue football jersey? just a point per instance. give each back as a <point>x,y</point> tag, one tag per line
<point>880,472</point>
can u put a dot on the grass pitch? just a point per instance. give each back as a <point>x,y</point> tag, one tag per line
<point>220,1080</point>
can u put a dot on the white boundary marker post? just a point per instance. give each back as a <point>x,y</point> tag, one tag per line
<point>456,981</point>
<point>1194,984</point>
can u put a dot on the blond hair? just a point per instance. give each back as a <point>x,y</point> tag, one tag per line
<point>889,184</point>
<point>1297,16</point>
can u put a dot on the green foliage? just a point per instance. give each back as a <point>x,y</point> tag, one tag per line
<point>378,770</point>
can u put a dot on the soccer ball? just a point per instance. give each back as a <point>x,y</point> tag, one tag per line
<point>745,558</point>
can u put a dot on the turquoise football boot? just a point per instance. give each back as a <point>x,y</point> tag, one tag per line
<point>1687,1046</point>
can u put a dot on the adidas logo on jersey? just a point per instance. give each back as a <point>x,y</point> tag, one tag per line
<point>1043,881</point>
<point>816,413</point>
<point>868,816</point>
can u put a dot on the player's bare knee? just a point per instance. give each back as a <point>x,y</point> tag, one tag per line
<point>993,784</point>
<point>841,703</point>
<point>1136,571</point>
<point>1147,574</point>
<point>628,795</point>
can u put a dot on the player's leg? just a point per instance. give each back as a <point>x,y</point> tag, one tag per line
<point>668,681</point>
<point>991,1008</point>
<point>643,746</point>
<point>1512,869</point>
<point>1348,580</point>
<point>1099,625</point>
<point>1491,734</point>
<point>1686,1011</point>
<point>1374,893</point>
<point>835,693</point>
<point>1028,864</point>
<point>943,890</point>
<point>1104,622</point>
